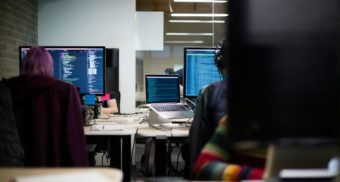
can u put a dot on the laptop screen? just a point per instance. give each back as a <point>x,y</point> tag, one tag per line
<point>162,88</point>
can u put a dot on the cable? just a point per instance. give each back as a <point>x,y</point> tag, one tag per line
<point>134,141</point>
<point>179,153</point>
<point>188,122</point>
<point>160,127</point>
<point>171,132</point>
<point>107,156</point>
<point>134,147</point>
<point>103,159</point>
<point>142,105</point>
<point>191,102</point>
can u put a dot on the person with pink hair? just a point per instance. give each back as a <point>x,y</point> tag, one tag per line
<point>47,113</point>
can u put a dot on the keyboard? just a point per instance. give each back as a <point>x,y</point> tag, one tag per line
<point>169,107</point>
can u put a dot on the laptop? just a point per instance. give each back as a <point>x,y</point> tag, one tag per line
<point>163,97</point>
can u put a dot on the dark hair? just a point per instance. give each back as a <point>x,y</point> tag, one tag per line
<point>221,54</point>
<point>169,71</point>
<point>38,61</point>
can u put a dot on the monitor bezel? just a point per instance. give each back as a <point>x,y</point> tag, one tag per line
<point>185,65</point>
<point>70,47</point>
<point>251,76</point>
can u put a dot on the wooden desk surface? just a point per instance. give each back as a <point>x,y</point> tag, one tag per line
<point>144,130</point>
<point>9,174</point>
<point>131,128</point>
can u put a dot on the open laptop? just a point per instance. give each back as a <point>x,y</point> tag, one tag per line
<point>163,97</point>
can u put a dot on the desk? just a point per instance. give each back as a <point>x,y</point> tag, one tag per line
<point>120,140</point>
<point>144,130</point>
<point>8,174</point>
<point>120,143</point>
<point>162,138</point>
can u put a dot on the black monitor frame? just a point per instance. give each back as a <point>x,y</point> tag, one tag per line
<point>70,47</point>
<point>283,78</point>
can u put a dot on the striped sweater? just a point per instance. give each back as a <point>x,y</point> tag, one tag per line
<point>212,162</point>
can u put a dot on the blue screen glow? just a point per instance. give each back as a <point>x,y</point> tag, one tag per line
<point>80,66</point>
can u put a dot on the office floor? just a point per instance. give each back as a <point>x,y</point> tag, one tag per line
<point>175,172</point>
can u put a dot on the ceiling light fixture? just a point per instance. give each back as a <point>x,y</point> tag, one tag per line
<point>196,21</point>
<point>198,15</point>
<point>200,1</point>
<point>170,7</point>
<point>192,34</point>
<point>184,42</point>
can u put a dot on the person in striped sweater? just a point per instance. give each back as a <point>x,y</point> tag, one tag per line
<point>217,160</point>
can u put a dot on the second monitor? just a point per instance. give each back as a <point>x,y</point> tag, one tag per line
<point>81,66</point>
<point>199,70</point>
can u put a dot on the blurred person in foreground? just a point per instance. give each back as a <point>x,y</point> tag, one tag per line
<point>214,158</point>
<point>211,106</point>
<point>47,113</point>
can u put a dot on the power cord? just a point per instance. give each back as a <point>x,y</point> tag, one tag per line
<point>133,144</point>
<point>191,102</point>
<point>160,127</point>
<point>179,153</point>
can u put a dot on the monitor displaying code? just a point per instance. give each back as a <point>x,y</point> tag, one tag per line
<point>80,66</point>
<point>162,88</point>
<point>199,70</point>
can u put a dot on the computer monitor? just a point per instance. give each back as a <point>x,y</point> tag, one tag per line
<point>83,67</point>
<point>162,89</point>
<point>284,80</point>
<point>283,77</point>
<point>199,70</point>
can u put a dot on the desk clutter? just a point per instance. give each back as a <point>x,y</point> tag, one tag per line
<point>122,133</point>
<point>119,122</point>
<point>110,121</point>
<point>115,122</point>
<point>118,119</point>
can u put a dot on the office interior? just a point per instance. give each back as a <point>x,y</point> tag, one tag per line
<point>113,24</point>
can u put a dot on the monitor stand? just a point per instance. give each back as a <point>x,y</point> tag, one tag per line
<point>156,119</point>
<point>297,157</point>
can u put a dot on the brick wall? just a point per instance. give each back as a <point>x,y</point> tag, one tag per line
<point>18,26</point>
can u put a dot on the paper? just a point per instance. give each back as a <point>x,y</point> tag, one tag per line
<point>101,127</point>
<point>65,177</point>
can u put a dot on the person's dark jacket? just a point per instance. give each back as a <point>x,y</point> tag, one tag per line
<point>11,150</point>
<point>49,120</point>
<point>211,107</point>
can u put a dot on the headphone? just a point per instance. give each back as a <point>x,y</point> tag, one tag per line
<point>219,62</point>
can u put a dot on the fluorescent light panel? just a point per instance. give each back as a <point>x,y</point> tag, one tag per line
<point>185,34</point>
<point>196,21</point>
<point>198,15</point>
<point>184,42</point>
<point>200,1</point>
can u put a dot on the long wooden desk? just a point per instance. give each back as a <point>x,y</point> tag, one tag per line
<point>120,143</point>
<point>163,137</point>
<point>9,174</point>
<point>144,130</point>
<point>120,140</point>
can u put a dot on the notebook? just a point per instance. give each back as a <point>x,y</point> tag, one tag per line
<point>163,96</point>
